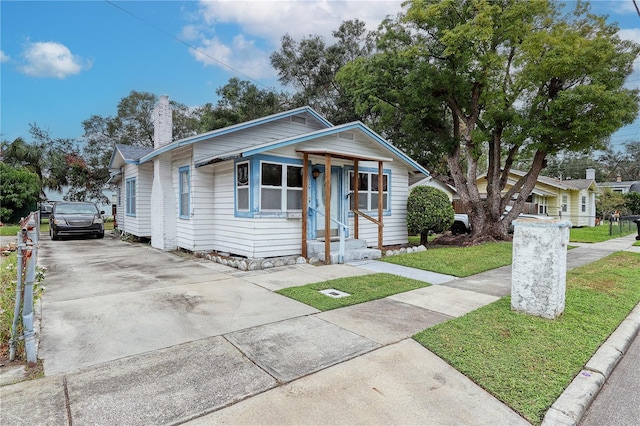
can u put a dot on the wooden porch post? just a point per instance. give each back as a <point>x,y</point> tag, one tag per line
<point>380,200</point>
<point>327,209</point>
<point>305,201</point>
<point>356,186</point>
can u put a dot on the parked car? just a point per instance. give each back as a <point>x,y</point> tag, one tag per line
<point>71,218</point>
<point>461,223</point>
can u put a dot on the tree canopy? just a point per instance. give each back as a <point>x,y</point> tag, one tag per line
<point>453,79</point>
<point>310,67</point>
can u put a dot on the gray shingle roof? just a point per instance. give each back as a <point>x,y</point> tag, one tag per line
<point>131,152</point>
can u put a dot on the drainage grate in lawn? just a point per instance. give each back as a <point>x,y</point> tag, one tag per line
<point>336,294</point>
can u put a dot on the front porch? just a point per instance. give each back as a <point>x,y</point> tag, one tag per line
<point>344,244</point>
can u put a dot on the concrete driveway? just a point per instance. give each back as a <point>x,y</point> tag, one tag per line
<point>131,335</point>
<point>106,300</point>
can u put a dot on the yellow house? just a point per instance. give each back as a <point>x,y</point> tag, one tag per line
<point>573,199</point>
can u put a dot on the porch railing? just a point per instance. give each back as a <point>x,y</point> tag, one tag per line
<point>342,228</point>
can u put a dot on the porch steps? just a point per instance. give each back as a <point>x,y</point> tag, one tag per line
<point>353,250</point>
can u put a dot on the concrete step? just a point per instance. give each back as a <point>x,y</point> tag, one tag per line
<point>316,246</point>
<point>353,255</point>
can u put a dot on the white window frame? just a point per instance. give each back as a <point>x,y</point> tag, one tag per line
<point>564,203</point>
<point>542,205</point>
<point>243,184</point>
<point>283,187</point>
<point>184,194</point>
<point>583,203</point>
<point>130,196</point>
<point>369,191</point>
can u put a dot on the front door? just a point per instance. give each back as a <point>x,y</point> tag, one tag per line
<point>318,202</point>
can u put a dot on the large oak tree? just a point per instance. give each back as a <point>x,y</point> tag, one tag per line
<point>453,80</point>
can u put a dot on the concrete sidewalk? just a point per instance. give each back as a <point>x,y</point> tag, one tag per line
<point>228,350</point>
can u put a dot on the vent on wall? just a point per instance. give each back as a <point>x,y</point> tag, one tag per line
<point>298,119</point>
<point>345,135</point>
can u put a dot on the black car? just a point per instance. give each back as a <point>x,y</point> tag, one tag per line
<point>75,218</point>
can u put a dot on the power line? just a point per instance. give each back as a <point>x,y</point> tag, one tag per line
<point>186,44</point>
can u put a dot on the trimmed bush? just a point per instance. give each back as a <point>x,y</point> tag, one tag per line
<point>428,209</point>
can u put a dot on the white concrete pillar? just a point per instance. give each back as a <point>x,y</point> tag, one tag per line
<point>162,123</point>
<point>539,268</point>
<point>163,205</point>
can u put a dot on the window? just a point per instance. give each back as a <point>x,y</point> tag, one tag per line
<point>242,186</point>
<point>565,204</point>
<point>583,204</point>
<point>130,194</point>
<point>280,187</point>
<point>185,189</point>
<point>368,191</point>
<point>542,205</point>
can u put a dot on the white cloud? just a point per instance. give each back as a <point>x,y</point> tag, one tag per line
<point>632,34</point>
<point>264,22</point>
<point>240,55</point>
<point>4,57</point>
<point>271,19</point>
<point>51,59</point>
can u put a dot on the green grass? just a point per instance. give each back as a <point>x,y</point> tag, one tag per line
<point>637,244</point>
<point>457,261</point>
<point>12,230</point>
<point>361,289</point>
<point>598,234</point>
<point>8,276</point>
<point>527,361</point>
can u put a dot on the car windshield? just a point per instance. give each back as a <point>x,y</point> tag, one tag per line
<point>76,209</point>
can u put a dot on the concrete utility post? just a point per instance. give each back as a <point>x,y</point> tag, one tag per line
<point>539,268</point>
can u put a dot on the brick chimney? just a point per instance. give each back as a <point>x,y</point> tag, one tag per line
<point>162,123</point>
<point>618,178</point>
<point>591,174</point>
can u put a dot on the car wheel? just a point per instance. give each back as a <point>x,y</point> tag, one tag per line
<point>100,235</point>
<point>53,234</point>
<point>458,228</point>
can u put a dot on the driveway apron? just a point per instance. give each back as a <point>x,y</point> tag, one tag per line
<point>106,300</point>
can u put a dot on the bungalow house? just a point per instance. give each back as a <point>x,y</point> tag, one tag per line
<point>573,199</point>
<point>282,185</point>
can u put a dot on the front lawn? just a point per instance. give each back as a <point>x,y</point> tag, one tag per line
<point>457,261</point>
<point>527,361</point>
<point>362,288</point>
<point>598,234</point>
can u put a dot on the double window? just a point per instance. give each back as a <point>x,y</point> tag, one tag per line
<point>185,191</point>
<point>368,194</point>
<point>280,187</point>
<point>130,194</point>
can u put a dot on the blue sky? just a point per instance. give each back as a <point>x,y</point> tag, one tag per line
<point>62,62</point>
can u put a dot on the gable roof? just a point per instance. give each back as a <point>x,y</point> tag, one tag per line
<point>357,126</point>
<point>567,185</point>
<point>235,128</point>
<point>130,154</point>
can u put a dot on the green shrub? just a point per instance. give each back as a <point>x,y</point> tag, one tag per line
<point>428,209</point>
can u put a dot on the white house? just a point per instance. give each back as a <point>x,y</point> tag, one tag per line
<point>274,186</point>
<point>420,180</point>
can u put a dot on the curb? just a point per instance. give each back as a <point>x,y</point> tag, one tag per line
<point>578,396</point>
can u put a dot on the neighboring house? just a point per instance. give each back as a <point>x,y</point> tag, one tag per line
<point>421,180</point>
<point>622,186</point>
<point>52,196</point>
<point>275,186</point>
<point>573,199</point>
